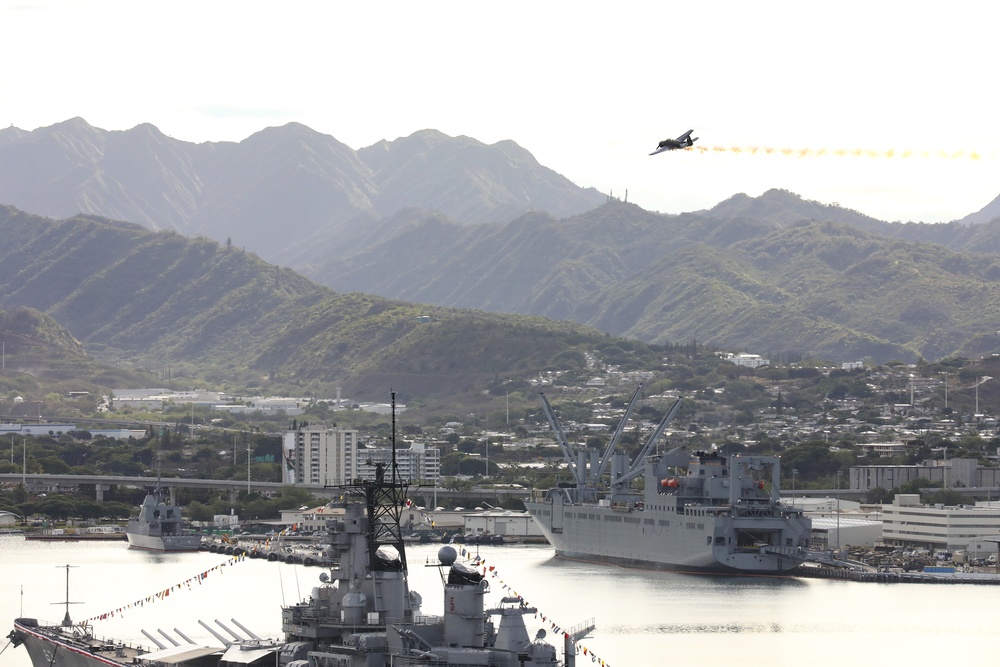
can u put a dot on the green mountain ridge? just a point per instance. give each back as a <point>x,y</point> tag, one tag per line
<point>769,273</point>
<point>157,299</point>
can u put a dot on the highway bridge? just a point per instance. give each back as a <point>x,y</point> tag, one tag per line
<point>42,483</point>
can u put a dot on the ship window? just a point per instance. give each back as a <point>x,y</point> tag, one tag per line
<point>788,541</point>
<point>708,540</point>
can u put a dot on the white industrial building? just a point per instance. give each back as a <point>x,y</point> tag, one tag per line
<point>950,473</point>
<point>908,523</point>
<point>844,530</point>
<point>747,360</point>
<point>838,522</point>
<point>501,522</point>
<point>310,519</point>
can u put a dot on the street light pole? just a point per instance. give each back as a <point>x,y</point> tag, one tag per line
<point>838,509</point>
<point>982,379</point>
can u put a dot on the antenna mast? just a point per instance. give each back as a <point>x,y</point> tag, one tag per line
<point>66,619</point>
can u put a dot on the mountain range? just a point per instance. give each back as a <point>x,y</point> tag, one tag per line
<point>289,193</point>
<point>455,223</point>
<point>194,309</point>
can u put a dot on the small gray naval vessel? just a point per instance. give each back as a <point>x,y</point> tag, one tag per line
<point>704,512</point>
<point>158,526</point>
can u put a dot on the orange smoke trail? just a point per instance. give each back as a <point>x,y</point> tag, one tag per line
<point>889,154</point>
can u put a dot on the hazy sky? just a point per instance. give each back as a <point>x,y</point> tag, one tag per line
<point>587,87</point>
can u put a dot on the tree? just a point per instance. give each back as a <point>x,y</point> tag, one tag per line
<point>878,496</point>
<point>946,497</point>
<point>57,507</point>
<point>811,459</point>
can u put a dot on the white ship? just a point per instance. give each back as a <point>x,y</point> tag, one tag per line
<point>696,511</point>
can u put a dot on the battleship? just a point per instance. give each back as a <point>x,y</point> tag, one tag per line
<point>688,511</point>
<point>363,613</point>
<point>158,526</point>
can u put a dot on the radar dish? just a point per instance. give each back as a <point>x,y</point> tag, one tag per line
<point>324,577</point>
<point>447,555</point>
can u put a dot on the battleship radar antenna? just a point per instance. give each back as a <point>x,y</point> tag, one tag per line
<point>385,502</point>
<point>66,619</point>
<point>395,474</point>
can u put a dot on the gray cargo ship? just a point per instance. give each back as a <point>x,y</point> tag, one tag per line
<point>700,511</point>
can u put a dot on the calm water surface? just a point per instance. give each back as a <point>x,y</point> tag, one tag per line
<point>641,616</point>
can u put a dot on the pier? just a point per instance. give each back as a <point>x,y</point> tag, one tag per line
<point>889,577</point>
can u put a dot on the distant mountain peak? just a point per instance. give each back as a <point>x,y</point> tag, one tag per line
<point>288,192</point>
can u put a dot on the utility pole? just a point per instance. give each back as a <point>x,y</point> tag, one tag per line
<point>838,510</point>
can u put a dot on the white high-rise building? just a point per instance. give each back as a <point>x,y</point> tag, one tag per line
<point>416,463</point>
<point>317,454</point>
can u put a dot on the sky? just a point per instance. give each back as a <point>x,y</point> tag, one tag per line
<point>884,107</point>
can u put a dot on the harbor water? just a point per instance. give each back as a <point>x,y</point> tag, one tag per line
<point>641,616</point>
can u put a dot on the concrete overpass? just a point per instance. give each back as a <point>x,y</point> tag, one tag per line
<point>42,483</point>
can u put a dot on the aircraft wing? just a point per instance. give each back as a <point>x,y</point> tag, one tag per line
<point>684,137</point>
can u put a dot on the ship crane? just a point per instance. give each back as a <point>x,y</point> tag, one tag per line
<point>578,469</point>
<point>577,472</point>
<point>638,466</point>
<point>595,475</point>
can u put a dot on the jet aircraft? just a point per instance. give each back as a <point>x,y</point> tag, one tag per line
<point>683,141</point>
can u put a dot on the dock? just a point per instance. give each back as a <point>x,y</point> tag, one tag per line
<point>888,577</point>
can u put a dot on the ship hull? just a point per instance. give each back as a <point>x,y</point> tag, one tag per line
<point>168,543</point>
<point>45,647</point>
<point>665,540</point>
